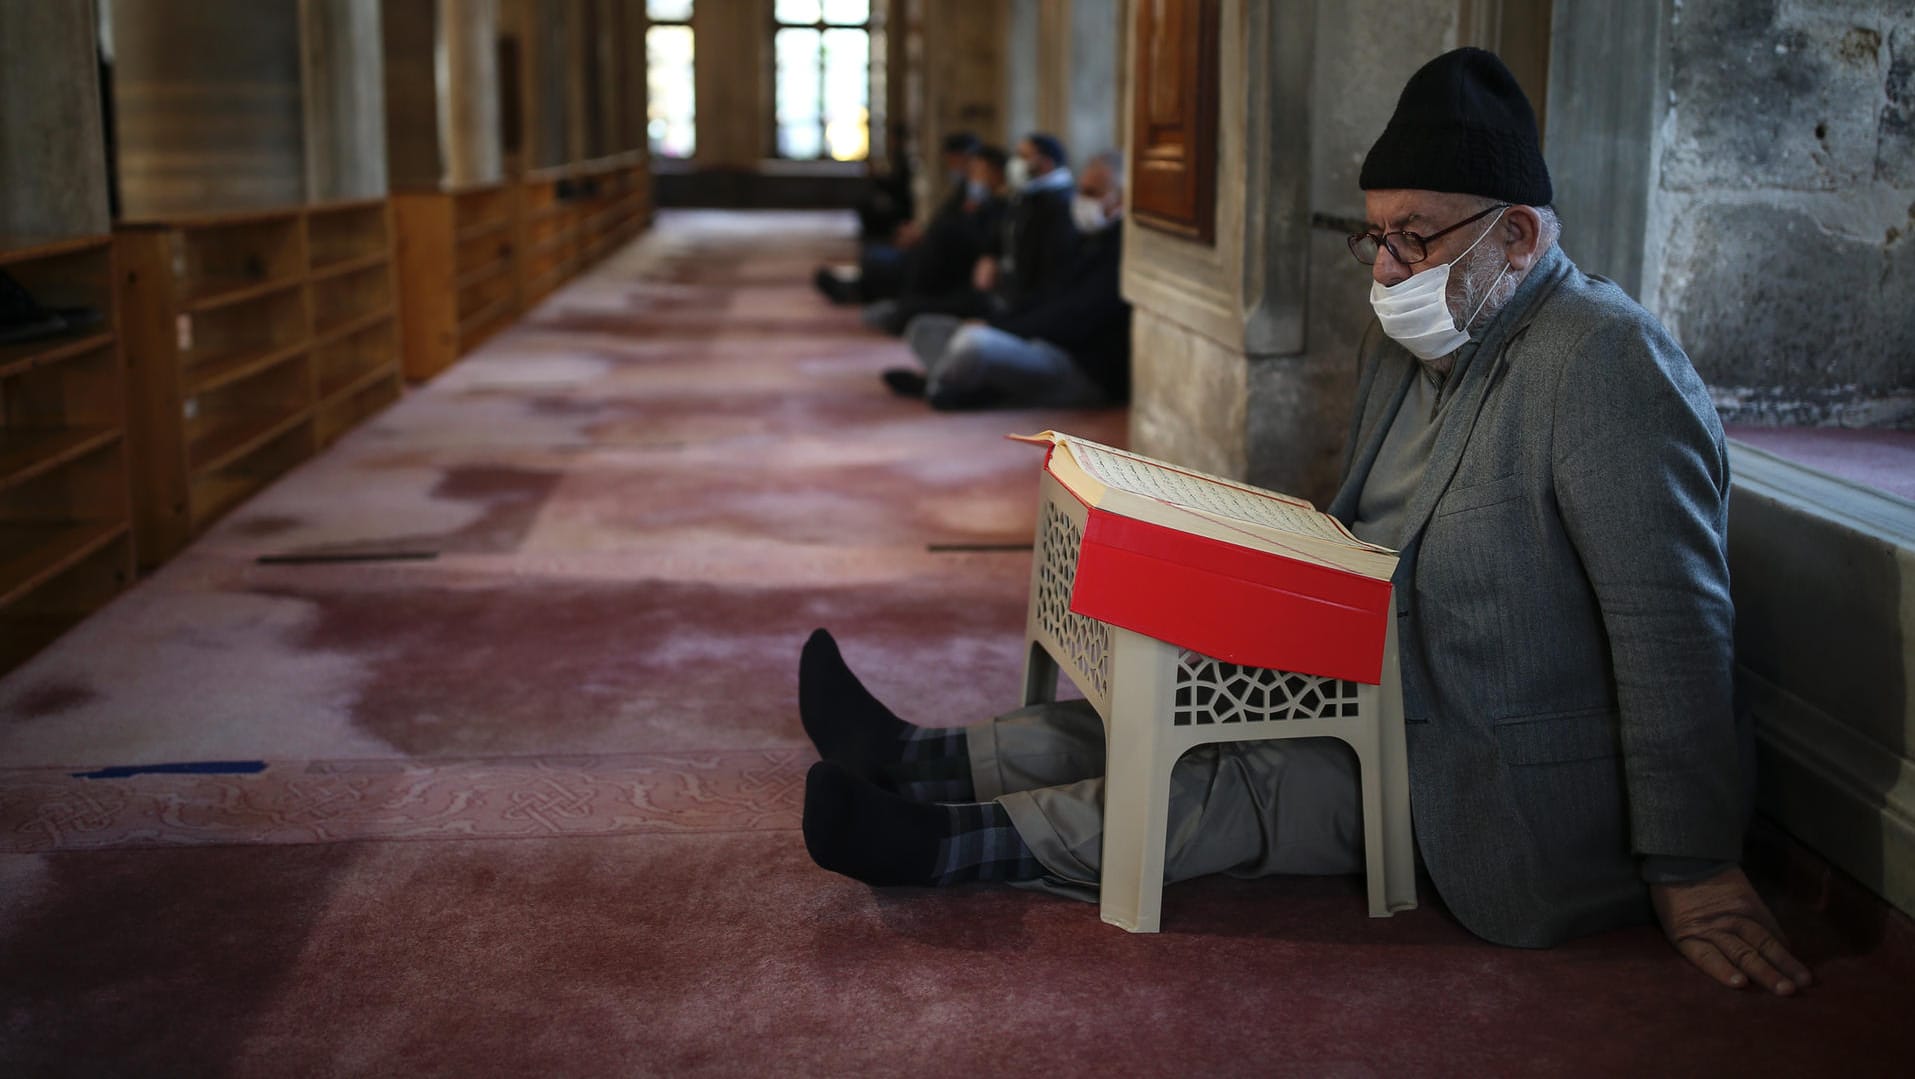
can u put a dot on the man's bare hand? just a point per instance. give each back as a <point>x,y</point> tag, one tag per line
<point>1722,926</point>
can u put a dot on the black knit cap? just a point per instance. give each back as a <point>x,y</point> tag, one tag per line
<point>1462,126</point>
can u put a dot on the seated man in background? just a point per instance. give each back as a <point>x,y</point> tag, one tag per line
<point>1024,248</point>
<point>1031,253</point>
<point>937,272</point>
<point>1554,475</point>
<point>890,203</point>
<point>1070,349</point>
<point>884,257</point>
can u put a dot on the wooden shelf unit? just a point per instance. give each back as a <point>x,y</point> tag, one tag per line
<point>252,341</point>
<point>571,217</point>
<point>66,544</point>
<point>458,275</point>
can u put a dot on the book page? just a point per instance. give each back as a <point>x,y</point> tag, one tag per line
<point>1150,479</point>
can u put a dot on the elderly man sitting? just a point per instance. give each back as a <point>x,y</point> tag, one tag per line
<point>1554,475</point>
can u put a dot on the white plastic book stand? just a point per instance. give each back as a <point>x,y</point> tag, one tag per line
<point>1158,700</point>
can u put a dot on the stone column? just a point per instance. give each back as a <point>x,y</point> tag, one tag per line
<point>442,92</point>
<point>733,73</point>
<point>962,81</point>
<point>345,100</point>
<point>50,121</point>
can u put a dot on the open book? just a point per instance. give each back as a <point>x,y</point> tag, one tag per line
<point>1144,489</point>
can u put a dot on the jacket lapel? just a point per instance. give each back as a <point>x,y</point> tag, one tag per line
<point>1478,380</point>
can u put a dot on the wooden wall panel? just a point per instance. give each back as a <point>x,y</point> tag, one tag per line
<point>1174,129</point>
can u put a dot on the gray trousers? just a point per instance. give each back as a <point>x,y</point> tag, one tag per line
<point>1250,809</point>
<point>965,360</point>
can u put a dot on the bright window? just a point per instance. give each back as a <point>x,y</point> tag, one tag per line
<point>823,53</point>
<point>671,102</point>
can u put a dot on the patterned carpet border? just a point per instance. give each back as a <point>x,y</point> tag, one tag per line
<point>290,802</point>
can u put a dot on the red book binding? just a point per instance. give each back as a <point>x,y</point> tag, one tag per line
<point>1237,603</point>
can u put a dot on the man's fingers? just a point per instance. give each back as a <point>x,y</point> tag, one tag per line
<point>1712,962</point>
<point>1774,952</point>
<point>1748,957</point>
<point>1778,953</point>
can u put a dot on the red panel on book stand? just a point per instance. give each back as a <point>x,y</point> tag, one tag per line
<point>1241,606</point>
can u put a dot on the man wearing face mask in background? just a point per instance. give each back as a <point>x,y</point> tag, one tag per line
<point>937,271</point>
<point>1068,350</point>
<point>1038,239</point>
<point>1554,474</point>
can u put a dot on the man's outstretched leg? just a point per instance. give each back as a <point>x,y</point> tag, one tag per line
<point>850,727</point>
<point>857,828</point>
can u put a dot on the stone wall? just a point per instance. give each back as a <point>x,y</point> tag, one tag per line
<point>1778,246</point>
<point>203,126</point>
<point>50,121</point>
<point>1300,404</point>
<point>1061,70</point>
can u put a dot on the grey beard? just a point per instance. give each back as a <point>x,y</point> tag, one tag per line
<point>1485,284</point>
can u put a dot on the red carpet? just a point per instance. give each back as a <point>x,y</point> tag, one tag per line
<point>526,802</point>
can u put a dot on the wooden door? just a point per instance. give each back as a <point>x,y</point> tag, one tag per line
<point>1174,136</point>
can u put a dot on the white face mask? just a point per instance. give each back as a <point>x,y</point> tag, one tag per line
<point>1088,213</point>
<point>1018,171</point>
<point>1415,312</point>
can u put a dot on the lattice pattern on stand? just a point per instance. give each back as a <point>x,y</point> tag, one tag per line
<point>1212,691</point>
<point>1085,641</point>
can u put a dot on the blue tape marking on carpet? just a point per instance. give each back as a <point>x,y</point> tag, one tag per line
<point>190,768</point>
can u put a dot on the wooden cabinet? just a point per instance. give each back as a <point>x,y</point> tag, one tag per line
<point>252,340</point>
<point>572,217</point>
<point>65,524</point>
<point>457,272</point>
<point>356,358</point>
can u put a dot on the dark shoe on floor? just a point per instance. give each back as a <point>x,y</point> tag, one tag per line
<point>836,286</point>
<point>905,382</point>
<point>950,400</point>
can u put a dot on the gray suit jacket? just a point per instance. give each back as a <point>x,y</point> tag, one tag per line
<point>1563,613</point>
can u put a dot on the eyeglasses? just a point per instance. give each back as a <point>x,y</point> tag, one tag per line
<point>1408,248</point>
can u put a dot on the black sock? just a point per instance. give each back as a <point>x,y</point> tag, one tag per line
<point>847,724</point>
<point>842,718</point>
<point>855,828</point>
